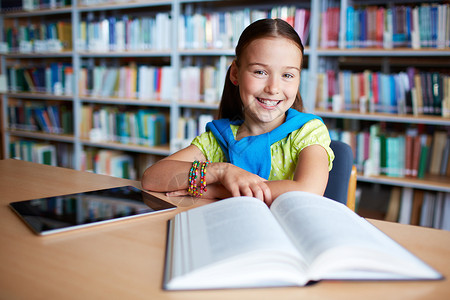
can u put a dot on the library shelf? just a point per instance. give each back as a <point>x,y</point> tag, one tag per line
<point>31,55</point>
<point>38,12</point>
<point>199,105</point>
<point>429,182</point>
<point>125,54</point>
<point>385,117</point>
<point>122,5</point>
<point>402,52</point>
<point>42,136</point>
<point>39,96</point>
<point>124,101</point>
<point>163,150</point>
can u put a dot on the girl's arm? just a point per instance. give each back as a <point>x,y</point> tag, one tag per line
<point>223,179</point>
<point>311,174</point>
<point>171,173</point>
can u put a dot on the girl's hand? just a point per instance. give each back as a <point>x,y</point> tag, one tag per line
<point>241,183</point>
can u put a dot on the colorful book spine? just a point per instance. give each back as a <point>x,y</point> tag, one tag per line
<point>31,116</point>
<point>126,33</point>
<point>409,92</point>
<point>221,30</point>
<point>133,81</point>
<point>399,26</point>
<point>108,124</point>
<point>383,152</point>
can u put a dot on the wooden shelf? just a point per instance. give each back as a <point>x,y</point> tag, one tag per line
<point>42,136</point>
<point>40,96</point>
<point>397,118</point>
<point>131,53</point>
<point>123,5</point>
<point>430,182</point>
<point>384,52</point>
<point>38,12</point>
<point>163,150</point>
<point>124,101</point>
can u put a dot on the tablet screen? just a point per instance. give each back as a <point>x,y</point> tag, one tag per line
<point>66,212</point>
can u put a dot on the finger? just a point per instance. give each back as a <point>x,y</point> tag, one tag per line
<point>246,191</point>
<point>258,193</point>
<point>267,193</point>
<point>234,190</point>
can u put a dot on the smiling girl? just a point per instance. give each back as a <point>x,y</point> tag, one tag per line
<point>263,144</point>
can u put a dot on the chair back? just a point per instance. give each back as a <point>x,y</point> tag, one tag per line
<point>339,176</point>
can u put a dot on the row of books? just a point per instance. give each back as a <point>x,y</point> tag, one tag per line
<point>188,127</point>
<point>108,162</point>
<point>221,30</point>
<point>146,82</point>
<point>412,154</point>
<point>203,84</point>
<point>109,124</point>
<point>411,92</point>
<point>55,78</point>
<point>32,116</point>
<point>132,81</point>
<point>42,37</point>
<point>17,5</point>
<point>126,33</point>
<point>422,26</point>
<point>60,154</point>
<point>419,207</point>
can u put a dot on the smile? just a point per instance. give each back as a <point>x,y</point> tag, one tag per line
<point>267,102</point>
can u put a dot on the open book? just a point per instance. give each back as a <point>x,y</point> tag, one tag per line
<point>239,242</point>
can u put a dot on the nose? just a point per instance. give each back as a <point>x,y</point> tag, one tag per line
<point>272,86</point>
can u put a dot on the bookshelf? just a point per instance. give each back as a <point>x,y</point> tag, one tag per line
<point>184,53</point>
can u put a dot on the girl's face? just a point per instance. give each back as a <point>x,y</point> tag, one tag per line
<point>268,77</point>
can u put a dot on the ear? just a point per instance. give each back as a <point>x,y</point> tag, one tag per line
<point>234,73</point>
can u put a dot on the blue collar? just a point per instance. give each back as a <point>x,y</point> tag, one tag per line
<point>252,153</point>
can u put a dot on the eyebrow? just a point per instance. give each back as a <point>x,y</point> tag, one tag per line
<point>264,65</point>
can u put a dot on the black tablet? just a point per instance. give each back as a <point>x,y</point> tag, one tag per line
<point>67,212</point>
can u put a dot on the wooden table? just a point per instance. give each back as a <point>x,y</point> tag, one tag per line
<point>125,259</point>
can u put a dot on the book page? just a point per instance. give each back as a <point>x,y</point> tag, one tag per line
<point>232,243</point>
<point>338,244</point>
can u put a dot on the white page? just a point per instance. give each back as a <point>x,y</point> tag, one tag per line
<point>233,242</point>
<point>316,225</point>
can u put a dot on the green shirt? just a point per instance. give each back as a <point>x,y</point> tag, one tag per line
<point>284,152</point>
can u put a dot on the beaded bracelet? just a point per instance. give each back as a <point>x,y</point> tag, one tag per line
<point>193,189</point>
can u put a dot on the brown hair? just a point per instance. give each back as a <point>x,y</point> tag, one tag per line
<point>231,106</point>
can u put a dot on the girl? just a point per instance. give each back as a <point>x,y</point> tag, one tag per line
<point>262,145</point>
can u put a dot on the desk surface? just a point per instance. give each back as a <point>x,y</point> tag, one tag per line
<point>125,260</point>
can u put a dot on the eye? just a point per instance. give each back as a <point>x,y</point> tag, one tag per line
<point>259,72</point>
<point>288,75</point>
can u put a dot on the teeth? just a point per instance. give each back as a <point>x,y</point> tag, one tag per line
<point>268,102</point>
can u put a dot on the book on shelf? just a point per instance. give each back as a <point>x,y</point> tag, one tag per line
<point>31,116</point>
<point>406,205</point>
<point>241,243</point>
<point>408,92</point>
<point>133,81</point>
<point>39,38</point>
<point>398,26</point>
<point>417,207</point>
<point>329,36</point>
<point>144,127</point>
<point>55,78</point>
<point>188,128</point>
<point>32,151</point>
<point>412,153</point>
<point>222,29</point>
<point>393,209</point>
<point>125,33</point>
<point>108,162</point>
